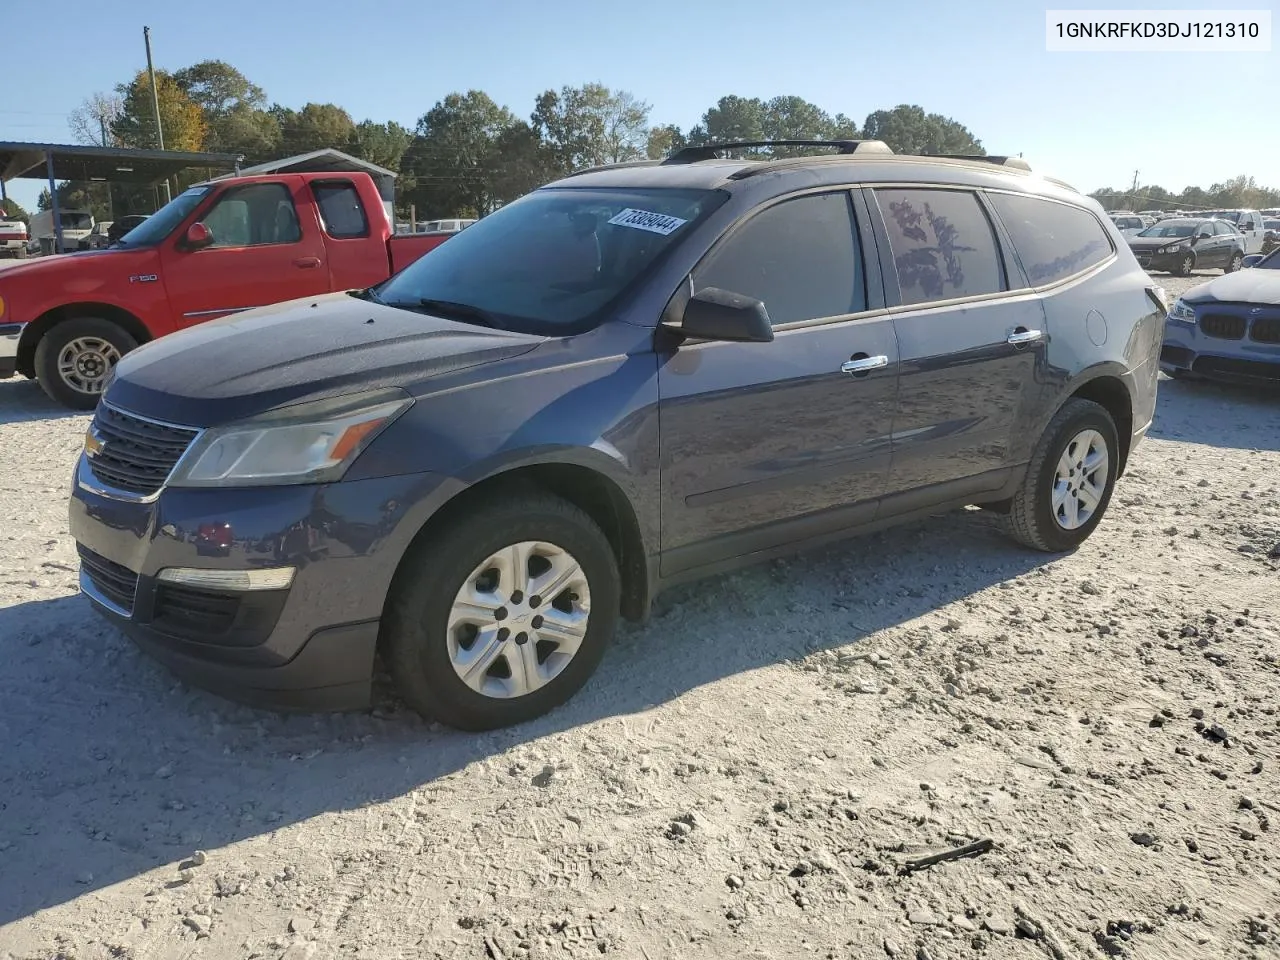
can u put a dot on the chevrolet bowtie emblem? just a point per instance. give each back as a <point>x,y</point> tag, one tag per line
<point>92,443</point>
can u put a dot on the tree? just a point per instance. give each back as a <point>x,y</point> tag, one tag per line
<point>908,129</point>
<point>590,125</point>
<point>233,109</point>
<point>182,121</point>
<point>663,141</point>
<point>732,118</point>
<point>15,211</point>
<point>91,122</point>
<point>454,155</point>
<point>314,127</point>
<point>520,162</point>
<point>380,143</point>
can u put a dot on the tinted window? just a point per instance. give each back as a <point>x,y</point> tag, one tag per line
<point>251,216</point>
<point>943,245</point>
<point>1053,240</point>
<point>799,257</point>
<point>341,212</point>
<point>553,261</point>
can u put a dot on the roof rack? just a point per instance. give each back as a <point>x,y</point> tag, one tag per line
<point>613,166</point>
<point>710,151</point>
<point>1017,163</point>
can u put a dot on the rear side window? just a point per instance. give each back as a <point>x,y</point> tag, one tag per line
<point>799,257</point>
<point>942,242</point>
<point>1053,240</point>
<point>341,212</point>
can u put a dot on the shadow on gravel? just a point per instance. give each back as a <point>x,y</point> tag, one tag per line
<point>109,767</point>
<point>1218,415</point>
<point>22,400</point>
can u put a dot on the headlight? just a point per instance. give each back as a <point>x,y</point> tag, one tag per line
<point>1181,310</point>
<point>309,443</point>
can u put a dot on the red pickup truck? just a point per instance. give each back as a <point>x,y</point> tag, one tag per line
<point>217,249</point>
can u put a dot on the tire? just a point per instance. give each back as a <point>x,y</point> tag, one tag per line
<point>422,638</point>
<point>1185,266</point>
<point>102,344</point>
<point>22,253</point>
<point>1237,260</point>
<point>1033,518</point>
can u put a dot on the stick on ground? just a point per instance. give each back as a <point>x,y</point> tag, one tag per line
<point>959,853</point>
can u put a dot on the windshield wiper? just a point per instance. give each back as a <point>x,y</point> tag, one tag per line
<point>451,309</point>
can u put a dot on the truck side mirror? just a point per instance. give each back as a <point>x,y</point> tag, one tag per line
<point>198,237</point>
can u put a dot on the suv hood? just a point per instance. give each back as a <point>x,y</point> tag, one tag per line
<point>1243,286</point>
<point>308,349</point>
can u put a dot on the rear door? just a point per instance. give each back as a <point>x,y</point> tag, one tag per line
<point>266,248</point>
<point>971,345</point>
<point>768,443</point>
<point>1225,241</point>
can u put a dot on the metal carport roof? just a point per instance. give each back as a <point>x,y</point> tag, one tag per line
<point>75,162</point>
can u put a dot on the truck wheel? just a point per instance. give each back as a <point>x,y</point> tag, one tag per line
<point>1069,480</point>
<point>1237,259</point>
<point>503,614</point>
<point>74,357</point>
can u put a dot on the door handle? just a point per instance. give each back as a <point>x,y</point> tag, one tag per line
<point>307,262</point>
<point>861,363</point>
<point>1023,335</point>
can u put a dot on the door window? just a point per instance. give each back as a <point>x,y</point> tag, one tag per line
<point>1054,240</point>
<point>341,212</point>
<point>800,257</point>
<point>942,242</point>
<point>261,213</point>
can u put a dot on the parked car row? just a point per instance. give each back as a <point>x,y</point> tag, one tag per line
<point>107,232</point>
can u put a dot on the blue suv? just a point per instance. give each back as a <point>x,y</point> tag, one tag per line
<point>634,376</point>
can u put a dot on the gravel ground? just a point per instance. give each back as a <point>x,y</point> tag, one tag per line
<point>745,777</point>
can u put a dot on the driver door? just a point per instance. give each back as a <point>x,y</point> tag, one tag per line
<point>260,255</point>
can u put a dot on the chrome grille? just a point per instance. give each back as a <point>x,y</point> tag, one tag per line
<point>136,455</point>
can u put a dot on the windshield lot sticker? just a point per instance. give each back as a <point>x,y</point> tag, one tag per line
<point>644,220</point>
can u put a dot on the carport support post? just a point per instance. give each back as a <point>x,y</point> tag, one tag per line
<point>53,204</point>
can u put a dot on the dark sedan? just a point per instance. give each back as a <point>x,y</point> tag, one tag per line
<point>1228,328</point>
<point>1182,245</point>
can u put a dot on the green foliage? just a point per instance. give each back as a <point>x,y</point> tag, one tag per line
<point>590,125</point>
<point>314,127</point>
<point>1238,192</point>
<point>908,129</point>
<point>15,211</point>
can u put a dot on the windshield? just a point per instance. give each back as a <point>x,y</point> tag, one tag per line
<point>77,221</point>
<point>1171,228</point>
<point>163,222</point>
<point>553,261</point>
<point>1232,215</point>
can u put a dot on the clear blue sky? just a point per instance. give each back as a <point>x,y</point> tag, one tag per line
<point>1092,119</point>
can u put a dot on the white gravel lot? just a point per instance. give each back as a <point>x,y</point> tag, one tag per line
<point>743,778</point>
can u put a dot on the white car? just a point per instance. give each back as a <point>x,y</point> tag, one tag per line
<point>1129,224</point>
<point>1248,222</point>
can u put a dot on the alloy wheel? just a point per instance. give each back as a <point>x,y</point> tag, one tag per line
<point>1080,480</point>
<point>85,362</point>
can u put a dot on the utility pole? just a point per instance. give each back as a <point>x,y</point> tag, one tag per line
<point>155,102</point>
<point>1133,191</point>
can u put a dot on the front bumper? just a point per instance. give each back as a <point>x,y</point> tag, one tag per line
<point>10,333</point>
<point>1187,349</point>
<point>1159,261</point>
<point>310,646</point>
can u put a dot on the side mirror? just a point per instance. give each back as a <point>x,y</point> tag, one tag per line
<point>715,314</point>
<point>198,236</point>
<point>1252,259</point>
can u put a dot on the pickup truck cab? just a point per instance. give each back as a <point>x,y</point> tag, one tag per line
<point>217,249</point>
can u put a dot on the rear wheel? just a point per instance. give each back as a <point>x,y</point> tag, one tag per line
<point>1069,480</point>
<point>74,358</point>
<point>1236,261</point>
<point>503,614</point>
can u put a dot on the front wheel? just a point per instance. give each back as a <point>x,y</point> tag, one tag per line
<point>503,614</point>
<point>1236,262</point>
<point>74,359</point>
<point>1069,480</point>
<point>1185,266</point>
